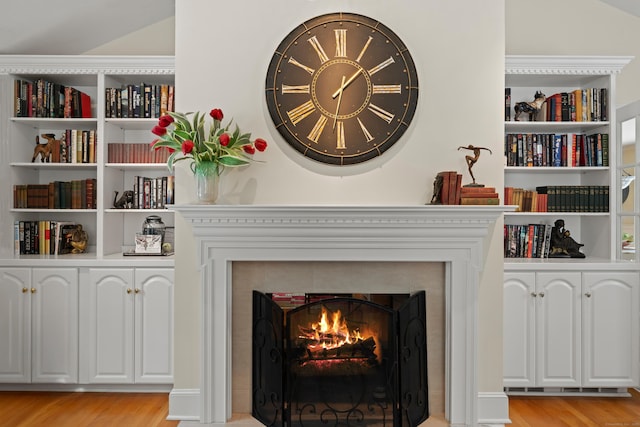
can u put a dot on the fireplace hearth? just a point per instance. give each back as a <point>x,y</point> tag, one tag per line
<point>339,361</point>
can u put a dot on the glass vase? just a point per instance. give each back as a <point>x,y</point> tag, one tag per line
<point>207,182</point>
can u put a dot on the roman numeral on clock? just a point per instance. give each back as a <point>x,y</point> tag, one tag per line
<point>300,112</point>
<point>381,89</point>
<point>293,61</point>
<point>340,142</point>
<point>383,114</point>
<point>364,49</point>
<point>341,43</point>
<point>295,89</point>
<point>366,133</point>
<point>381,65</point>
<point>319,50</point>
<point>317,129</point>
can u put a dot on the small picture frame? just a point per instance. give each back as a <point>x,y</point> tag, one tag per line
<point>148,244</point>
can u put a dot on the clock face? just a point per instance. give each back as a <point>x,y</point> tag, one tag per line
<point>341,88</point>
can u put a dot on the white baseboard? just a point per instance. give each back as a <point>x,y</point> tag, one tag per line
<point>493,409</point>
<point>184,404</point>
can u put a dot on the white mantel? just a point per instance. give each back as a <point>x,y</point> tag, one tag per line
<point>431,233</point>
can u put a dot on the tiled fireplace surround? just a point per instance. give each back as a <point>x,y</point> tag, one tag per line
<point>368,249</point>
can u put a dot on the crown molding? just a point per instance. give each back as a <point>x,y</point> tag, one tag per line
<point>86,64</point>
<point>565,65</point>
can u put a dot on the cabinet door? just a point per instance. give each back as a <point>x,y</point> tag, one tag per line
<point>519,330</point>
<point>111,331</point>
<point>15,325</point>
<point>611,321</point>
<point>154,325</point>
<point>54,329</point>
<point>558,340</point>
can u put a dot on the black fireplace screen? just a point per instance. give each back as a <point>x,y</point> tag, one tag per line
<point>339,361</point>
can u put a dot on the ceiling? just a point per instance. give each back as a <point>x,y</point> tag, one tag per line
<point>73,27</point>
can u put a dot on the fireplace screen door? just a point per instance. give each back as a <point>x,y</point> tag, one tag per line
<point>339,362</point>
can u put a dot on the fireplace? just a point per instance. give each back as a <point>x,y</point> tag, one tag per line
<point>339,360</point>
<point>451,235</point>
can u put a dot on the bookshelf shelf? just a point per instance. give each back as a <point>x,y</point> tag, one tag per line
<point>53,166</point>
<point>138,166</point>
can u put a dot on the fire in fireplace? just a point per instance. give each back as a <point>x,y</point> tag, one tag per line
<point>340,361</point>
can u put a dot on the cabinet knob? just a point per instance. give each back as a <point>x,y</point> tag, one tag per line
<point>33,290</point>
<point>533,294</point>
<point>541,294</point>
<point>137,291</point>
<point>128,290</point>
<point>587,294</point>
<point>25,290</point>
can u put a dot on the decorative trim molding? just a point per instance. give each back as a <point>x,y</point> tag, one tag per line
<point>565,65</point>
<point>86,64</point>
<point>184,404</point>
<point>493,409</point>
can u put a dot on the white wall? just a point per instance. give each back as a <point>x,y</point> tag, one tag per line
<point>576,27</point>
<point>222,53</point>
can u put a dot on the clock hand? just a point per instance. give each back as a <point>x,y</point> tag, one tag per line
<point>335,119</point>
<point>347,83</point>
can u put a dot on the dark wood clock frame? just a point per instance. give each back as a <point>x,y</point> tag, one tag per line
<point>341,88</point>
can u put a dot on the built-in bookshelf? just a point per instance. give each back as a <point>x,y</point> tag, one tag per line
<point>560,153</point>
<point>90,118</point>
<point>563,301</point>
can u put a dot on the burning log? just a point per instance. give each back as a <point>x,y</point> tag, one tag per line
<point>362,349</point>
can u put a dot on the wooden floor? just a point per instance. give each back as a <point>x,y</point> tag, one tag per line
<point>575,411</point>
<point>41,409</point>
<point>55,409</point>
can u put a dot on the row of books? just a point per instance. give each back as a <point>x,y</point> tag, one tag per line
<point>153,193</point>
<point>448,190</point>
<point>43,237</point>
<point>448,187</point>
<point>526,200</point>
<point>527,240</point>
<point>556,150</point>
<point>139,101</point>
<point>42,98</point>
<point>579,105</point>
<point>74,146</point>
<point>75,194</point>
<point>120,152</point>
<point>559,198</point>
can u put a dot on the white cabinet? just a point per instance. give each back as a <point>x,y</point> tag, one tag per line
<point>15,325</point>
<point>571,329</point>
<point>39,325</point>
<point>130,325</point>
<point>558,329</point>
<point>610,312</point>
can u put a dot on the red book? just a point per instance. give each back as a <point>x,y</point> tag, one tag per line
<point>85,105</point>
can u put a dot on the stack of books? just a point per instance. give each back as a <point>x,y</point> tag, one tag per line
<point>479,196</point>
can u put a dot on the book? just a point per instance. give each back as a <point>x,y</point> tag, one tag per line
<point>479,201</point>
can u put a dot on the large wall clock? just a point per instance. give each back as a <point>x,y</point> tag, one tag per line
<point>341,88</point>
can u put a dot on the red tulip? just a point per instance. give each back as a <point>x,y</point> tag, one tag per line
<point>249,149</point>
<point>159,130</point>
<point>165,121</point>
<point>216,113</point>
<point>260,144</point>
<point>187,146</point>
<point>224,139</point>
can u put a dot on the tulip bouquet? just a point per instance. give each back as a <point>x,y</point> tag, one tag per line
<point>188,139</point>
